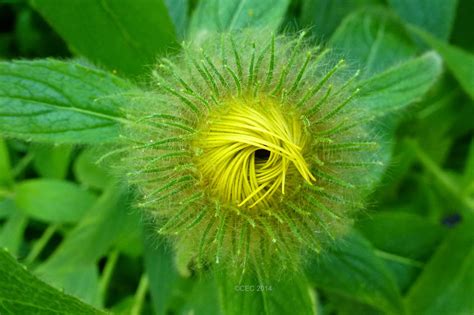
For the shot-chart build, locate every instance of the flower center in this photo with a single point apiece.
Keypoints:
(249, 150)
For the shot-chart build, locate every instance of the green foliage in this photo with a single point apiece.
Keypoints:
(459, 62)
(52, 161)
(434, 16)
(76, 104)
(404, 234)
(42, 198)
(120, 35)
(11, 235)
(76, 270)
(325, 15)
(263, 294)
(22, 293)
(447, 282)
(164, 278)
(67, 215)
(351, 268)
(374, 39)
(401, 85)
(225, 16)
(178, 11)
(89, 172)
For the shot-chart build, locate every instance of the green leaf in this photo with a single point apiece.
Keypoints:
(265, 294)
(53, 200)
(435, 16)
(178, 11)
(351, 268)
(56, 101)
(86, 243)
(399, 86)
(22, 293)
(11, 234)
(126, 36)
(52, 161)
(224, 16)
(130, 239)
(81, 281)
(197, 302)
(88, 172)
(403, 241)
(325, 15)
(6, 177)
(447, 282)
(373, 40)
(458, 61)
(7, 207)
(95, 233)
(161, 270)
(404, 234)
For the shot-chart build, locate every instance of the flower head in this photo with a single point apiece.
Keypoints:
(251, 150)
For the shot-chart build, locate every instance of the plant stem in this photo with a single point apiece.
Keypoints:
(399, 259)
(22, 164)
(440, 176)
(107, 274)
(140, 295)
(41, 243)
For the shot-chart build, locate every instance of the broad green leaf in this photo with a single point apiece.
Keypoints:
(53, 200)
(11, 233)
(52, 161)
(87, 242)
(56, 101)
(197, 302)
(224, 16)
(373, 40)
(7, 207)
(6, 177)
(178, 11)
(458, 61)
(446, 285)
(265, 294)
(88, 172)
(351, 268)
(81, 281)
(163, 275)
(404, 234)
(126, 36)
(324, 16)
(399, 86)
(403, 240)
(130, 239)
(22, 293)
(434, 16)
(95, 233)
